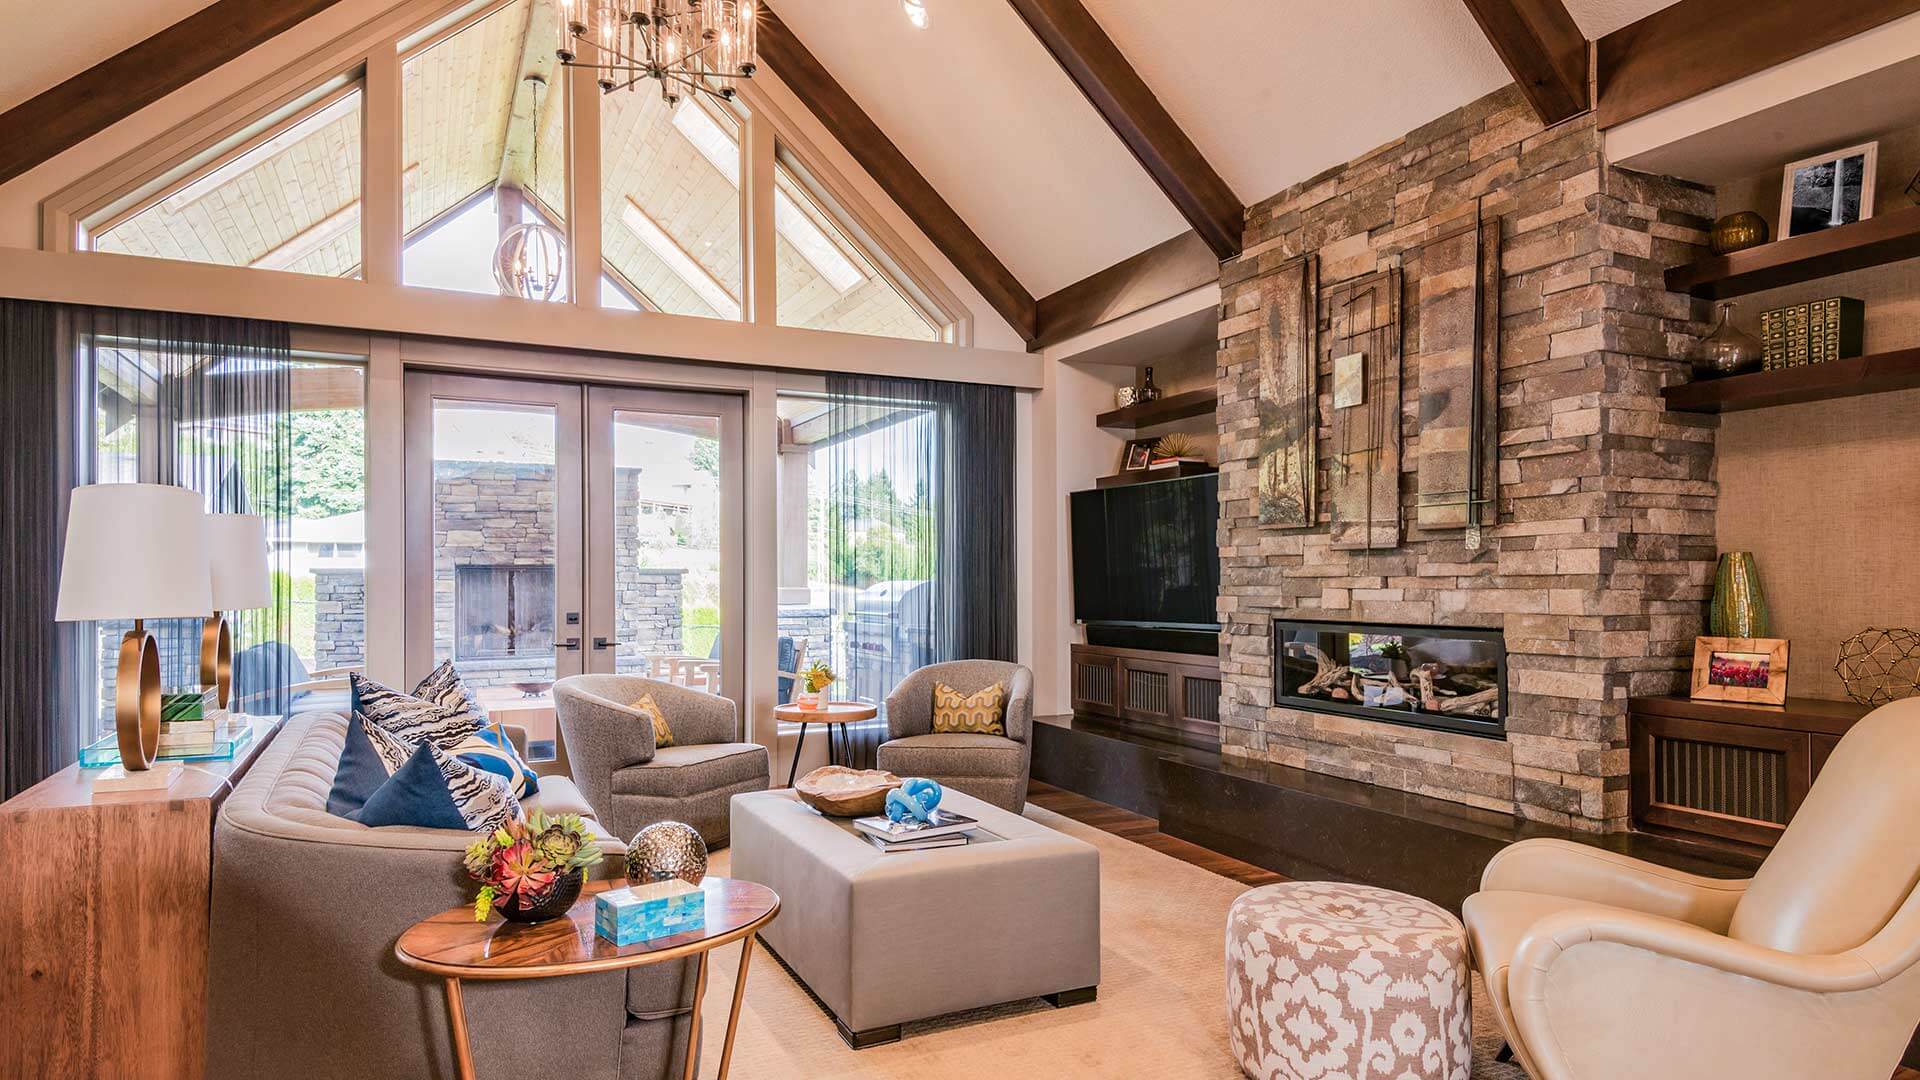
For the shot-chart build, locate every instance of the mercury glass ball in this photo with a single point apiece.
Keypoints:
(666, 850)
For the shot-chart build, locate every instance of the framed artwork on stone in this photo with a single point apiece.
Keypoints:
(1752, 671)
(1828, 190)
(1289, 407)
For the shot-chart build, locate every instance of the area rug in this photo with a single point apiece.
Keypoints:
(1161, 1011)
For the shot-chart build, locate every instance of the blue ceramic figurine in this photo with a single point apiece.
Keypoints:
(915, 798)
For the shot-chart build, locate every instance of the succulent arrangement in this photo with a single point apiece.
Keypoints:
(523, 862)
(817, 677)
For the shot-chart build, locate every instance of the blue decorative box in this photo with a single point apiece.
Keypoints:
(644, 912)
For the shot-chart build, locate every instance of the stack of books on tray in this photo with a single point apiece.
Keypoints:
(944, 828)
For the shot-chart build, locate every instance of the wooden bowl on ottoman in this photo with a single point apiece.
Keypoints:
(838, 791)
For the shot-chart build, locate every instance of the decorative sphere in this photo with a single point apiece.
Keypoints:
(666, 850)
(531, 261)
(1879, 665)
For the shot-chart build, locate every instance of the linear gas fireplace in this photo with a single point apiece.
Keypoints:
(1425, 676)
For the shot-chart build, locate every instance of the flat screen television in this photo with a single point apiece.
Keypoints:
(1144, 554)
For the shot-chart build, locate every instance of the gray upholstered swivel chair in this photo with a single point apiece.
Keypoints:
(631, 782)
(989, 767)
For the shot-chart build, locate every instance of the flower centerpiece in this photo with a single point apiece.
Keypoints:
(532, 870)
(814, 681)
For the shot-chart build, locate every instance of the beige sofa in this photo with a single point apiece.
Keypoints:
(302, 980)
(1601, 966)
(632, 782)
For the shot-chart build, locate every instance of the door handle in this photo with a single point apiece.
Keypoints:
(603, 643)
(569, 643)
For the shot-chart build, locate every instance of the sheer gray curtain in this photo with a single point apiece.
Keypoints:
(920, 519)
(99, 395)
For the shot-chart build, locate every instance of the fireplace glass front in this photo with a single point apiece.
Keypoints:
(1425, 676)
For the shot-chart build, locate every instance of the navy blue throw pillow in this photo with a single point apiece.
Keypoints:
(359, 774)
(436, 790)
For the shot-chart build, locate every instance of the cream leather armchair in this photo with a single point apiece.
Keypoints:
(1600, 966)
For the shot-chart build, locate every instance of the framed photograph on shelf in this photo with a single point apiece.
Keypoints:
(1827, 190)
(1752, 671)
(1138, 455)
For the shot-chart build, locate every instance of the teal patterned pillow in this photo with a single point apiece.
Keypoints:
(491, 750)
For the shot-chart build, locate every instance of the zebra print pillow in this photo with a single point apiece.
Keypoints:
(435, 790)
(444, 719)
(392, 750)
(482, 798)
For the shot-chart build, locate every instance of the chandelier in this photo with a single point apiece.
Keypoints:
(698, 45)
(530, 261)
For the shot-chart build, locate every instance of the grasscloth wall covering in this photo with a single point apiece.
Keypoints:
(1827, 497)
(1599, 567)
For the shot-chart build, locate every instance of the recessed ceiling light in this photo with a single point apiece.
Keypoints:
(916, 12)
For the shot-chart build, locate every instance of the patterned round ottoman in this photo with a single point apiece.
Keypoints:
(1328, 981)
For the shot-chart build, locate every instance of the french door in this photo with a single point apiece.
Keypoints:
(555, 529)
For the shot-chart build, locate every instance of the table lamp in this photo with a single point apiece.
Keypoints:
(135, 551)
(237, 558)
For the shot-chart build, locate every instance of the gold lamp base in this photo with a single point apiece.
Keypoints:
(136, 699)
(216, 656)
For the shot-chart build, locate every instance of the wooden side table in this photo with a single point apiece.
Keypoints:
(455, 947)
(834, 714)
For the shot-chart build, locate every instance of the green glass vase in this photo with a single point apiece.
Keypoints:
(1739, 608)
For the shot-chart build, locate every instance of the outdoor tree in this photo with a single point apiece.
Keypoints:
(329, 461)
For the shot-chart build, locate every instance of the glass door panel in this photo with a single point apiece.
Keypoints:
(493, 509)
(664, 494)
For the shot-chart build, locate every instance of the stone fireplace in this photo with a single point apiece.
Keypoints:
(1446, 679)
(1594, 575)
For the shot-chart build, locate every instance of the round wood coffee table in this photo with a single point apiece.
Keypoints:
(834, 714)
(455, 947)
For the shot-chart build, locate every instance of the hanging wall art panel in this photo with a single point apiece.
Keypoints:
(1361, 336)
(1289, 398)
(1459, 357)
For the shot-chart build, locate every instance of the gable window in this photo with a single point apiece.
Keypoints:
(671, 199)
(287, 199)
(484, 144)
(826, 280)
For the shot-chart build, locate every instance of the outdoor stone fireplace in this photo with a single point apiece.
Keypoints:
(1593, 576)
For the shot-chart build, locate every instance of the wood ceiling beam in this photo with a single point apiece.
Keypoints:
(1161, 272)
(1699, 45)
(116, 88)
(783, 53)
(1544, 50)
(1122, 98)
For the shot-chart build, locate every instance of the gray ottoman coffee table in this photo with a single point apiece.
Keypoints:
(882, 939)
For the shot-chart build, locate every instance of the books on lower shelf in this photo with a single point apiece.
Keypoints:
(218, 739)
(944, 828)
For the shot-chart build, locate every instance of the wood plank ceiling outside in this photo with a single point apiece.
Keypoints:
(783, 53)
(1097, 66)
(114, 89)
(1697, 45)
(1544, 50)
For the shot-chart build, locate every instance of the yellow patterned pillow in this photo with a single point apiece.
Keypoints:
(978, 713)
(662, 734)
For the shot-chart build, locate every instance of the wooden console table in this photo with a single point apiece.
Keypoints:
(1728, 771)
(103, 940)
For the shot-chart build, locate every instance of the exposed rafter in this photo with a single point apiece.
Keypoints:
(116, 88)
(1697, 45)
(783, 53)
(1096, 65)
(1544, 50)
(1159, 273)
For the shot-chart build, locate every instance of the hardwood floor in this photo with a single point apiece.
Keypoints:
(1145, 831)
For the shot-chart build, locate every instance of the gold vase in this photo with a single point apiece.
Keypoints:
(1739, 607)
(1738, 232)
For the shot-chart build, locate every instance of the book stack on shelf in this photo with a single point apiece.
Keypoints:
(943, 828)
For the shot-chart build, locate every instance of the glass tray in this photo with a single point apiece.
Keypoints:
(105, 751)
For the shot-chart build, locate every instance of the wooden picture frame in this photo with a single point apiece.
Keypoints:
(1138, 455)
(1869, 152)
(1752, 671)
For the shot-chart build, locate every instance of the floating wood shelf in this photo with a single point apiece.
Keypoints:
(1177, 471)
(1889, 237)
(1851, 377)
(1166, 410)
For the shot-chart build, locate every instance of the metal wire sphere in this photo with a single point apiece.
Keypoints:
(1880, 665)
(666, 850)
(531, 261)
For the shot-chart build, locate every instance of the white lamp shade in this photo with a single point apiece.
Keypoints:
(237, 554)
(134, 551)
